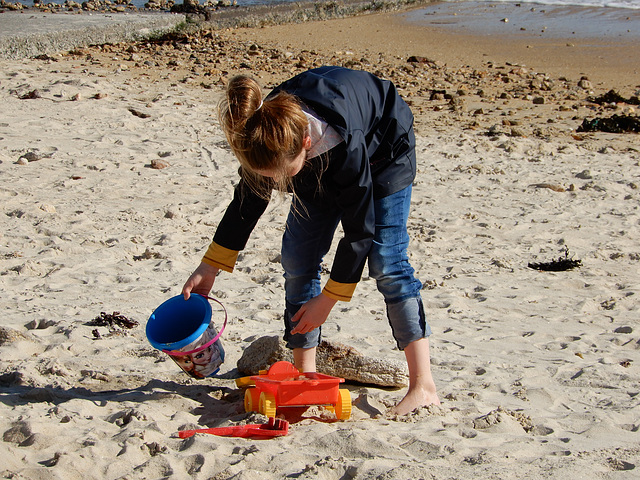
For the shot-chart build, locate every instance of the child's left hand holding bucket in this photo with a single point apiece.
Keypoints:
(200, 281)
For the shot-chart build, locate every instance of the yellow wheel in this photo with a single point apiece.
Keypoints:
(251, 400)
(267, 404)
(343, 407)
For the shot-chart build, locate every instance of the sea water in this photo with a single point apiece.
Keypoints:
(549, 18)
(630, 4)
(544, 18)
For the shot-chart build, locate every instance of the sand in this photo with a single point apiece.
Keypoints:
(537, 371)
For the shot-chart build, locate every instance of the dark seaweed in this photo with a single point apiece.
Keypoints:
(560, 265)
(113, 320)
(613, 124)
(614, 97)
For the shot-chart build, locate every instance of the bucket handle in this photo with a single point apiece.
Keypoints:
(178, 353)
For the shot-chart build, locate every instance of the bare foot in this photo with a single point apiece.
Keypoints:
(415, 398)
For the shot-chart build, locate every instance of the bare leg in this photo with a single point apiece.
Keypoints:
(422, 388)
(304, 359)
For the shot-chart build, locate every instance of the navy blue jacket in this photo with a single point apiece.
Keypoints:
(376, 159)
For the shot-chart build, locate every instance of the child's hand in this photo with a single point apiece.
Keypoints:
(312, 314)
(200, 281)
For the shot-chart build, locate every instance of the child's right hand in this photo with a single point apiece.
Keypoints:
(200, 281)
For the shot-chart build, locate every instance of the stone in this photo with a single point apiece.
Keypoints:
(419, 59)
(625, 329)
(10, 335)
(18, 433)
(585, 83)
(159, 163)
(45, 207)
(32, 156)
(332, 358)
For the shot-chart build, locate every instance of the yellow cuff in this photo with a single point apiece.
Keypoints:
(339, 291)
(220, 257)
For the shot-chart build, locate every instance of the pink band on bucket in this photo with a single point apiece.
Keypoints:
(178, 353)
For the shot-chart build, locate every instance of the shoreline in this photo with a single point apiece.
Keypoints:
(612, 61)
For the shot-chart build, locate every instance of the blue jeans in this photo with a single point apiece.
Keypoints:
(308, 235)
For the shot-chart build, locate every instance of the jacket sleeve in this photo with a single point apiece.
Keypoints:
(355, 199)
(236, 226)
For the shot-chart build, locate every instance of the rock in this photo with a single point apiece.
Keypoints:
(585, 83)
(138, 113)
(9, 335)
(45, 207)
(33, 94)
(419, 59)
(36, 155)
(159, 163)
(18, 433)
(495, 130)
(625, 329)
(40, 324)
(32, 156)
(332, 358)
(518, 132)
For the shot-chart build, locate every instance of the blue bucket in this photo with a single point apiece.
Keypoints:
(184, 330)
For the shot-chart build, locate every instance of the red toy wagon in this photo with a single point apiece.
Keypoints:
(283, 385)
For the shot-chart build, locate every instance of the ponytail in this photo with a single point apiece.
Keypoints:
(264, 135)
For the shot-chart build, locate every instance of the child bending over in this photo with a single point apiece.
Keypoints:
(341, 142)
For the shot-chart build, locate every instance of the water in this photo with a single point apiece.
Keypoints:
(632, 4)
(629, 4)
(561, 18)
(553, 19)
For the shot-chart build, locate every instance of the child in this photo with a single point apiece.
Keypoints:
(342, 142)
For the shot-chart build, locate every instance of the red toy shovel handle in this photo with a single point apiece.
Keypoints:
(241, 431)
(275, 428)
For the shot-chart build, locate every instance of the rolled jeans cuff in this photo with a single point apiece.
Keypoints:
(408, 322)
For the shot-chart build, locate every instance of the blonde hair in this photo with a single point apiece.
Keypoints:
(263, 135)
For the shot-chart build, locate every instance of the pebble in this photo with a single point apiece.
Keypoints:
(48, 208)
(584, 175)
(625, 329)
(159, 163)
(32, 156)
(585, 83)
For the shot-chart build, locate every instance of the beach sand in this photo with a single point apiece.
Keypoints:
(537, 371)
